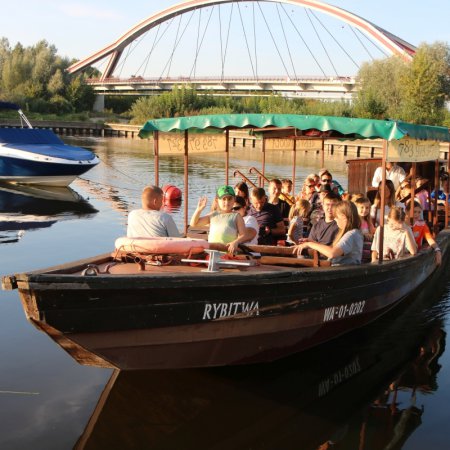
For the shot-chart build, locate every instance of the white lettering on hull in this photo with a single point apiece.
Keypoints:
(343, 311)
(214, 311)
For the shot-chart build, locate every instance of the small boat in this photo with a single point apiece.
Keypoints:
(134, 310)
(34, 156)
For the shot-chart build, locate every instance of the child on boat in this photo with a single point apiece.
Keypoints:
(420, 230)
(398, 237)
(298, 219)
(225, 226)
(367, 229)
(348, 244)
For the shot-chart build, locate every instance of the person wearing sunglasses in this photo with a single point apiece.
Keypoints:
(308, 191)
(251, 224)
(327, 179)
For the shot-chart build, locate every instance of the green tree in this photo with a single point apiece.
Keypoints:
(381, 91)
(427, 84)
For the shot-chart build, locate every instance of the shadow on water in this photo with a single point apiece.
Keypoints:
(345, 394)
(27, 208)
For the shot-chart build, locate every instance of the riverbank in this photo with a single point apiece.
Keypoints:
(368, 148)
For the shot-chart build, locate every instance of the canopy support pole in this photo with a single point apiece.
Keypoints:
(263, 149)
(435, 200)
(322, 155)
(186, 180)
(413, 192)
(447, 183)
(294, 162)
(227, 154)
(383, 202)
(156, 154)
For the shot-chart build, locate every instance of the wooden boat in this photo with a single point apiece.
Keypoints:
(282, 403)
(135, 311)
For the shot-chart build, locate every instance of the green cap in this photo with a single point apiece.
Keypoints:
(225, 190)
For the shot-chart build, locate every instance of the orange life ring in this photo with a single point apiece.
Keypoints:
(161, 245)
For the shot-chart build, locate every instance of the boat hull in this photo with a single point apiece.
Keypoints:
(155, 320)
(53, 172)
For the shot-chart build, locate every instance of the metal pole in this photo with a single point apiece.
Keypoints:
(413, 192)
(294, 161)
(227, 154)
(186, 180)
(322, 158)
(156, 153)
(382, 204)
(447, 183)
(261, 181)
(435, 200)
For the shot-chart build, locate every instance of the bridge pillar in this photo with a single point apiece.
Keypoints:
(99, 104)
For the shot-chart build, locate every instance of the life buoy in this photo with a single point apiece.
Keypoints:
(161, 245)
(171, 193)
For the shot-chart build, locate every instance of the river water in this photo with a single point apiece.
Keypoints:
(385, 386)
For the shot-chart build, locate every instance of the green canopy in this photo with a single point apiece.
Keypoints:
(335, 126)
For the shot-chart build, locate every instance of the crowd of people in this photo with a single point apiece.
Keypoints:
(340, 226)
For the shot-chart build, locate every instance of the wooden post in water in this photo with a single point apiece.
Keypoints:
(227, 154)
(156, 154)
(383, 202)
(186, 180)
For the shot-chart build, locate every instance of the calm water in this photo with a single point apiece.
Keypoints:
(386, 386)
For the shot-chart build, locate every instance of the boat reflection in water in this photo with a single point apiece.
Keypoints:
(24, 208)
(361, 391)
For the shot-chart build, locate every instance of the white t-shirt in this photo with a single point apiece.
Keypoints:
(396, 174)
(251, 222)
(150, 223)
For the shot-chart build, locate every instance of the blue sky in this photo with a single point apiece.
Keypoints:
(79, 28)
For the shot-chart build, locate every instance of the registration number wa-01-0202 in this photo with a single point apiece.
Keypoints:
(343, 311)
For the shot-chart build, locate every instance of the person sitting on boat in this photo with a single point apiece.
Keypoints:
(225, 226)
(274, 198)
(420, 230)
(286, 191)
(398, 237)
(367, 228)
(389, 202)
(240, 206)
(347, 245)
(394, 173)
(325, 230)
(241, 190)
(327, 179)
(268, 216)
(298, 220)
(308, 191)
(150, 221)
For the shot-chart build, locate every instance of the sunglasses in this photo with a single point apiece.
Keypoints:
(326, 180)
(311, 185)
(236, 208)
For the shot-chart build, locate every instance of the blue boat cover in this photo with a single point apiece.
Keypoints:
(28, 136)
(44, 142)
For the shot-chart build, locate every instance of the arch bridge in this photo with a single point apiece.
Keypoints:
(291, 83)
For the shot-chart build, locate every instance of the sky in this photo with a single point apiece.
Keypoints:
(79, 28)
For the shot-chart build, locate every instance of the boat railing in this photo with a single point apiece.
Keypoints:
(239, 174)
(261, 177)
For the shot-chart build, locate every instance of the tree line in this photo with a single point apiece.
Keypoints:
(417, 91)
(35, 77)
